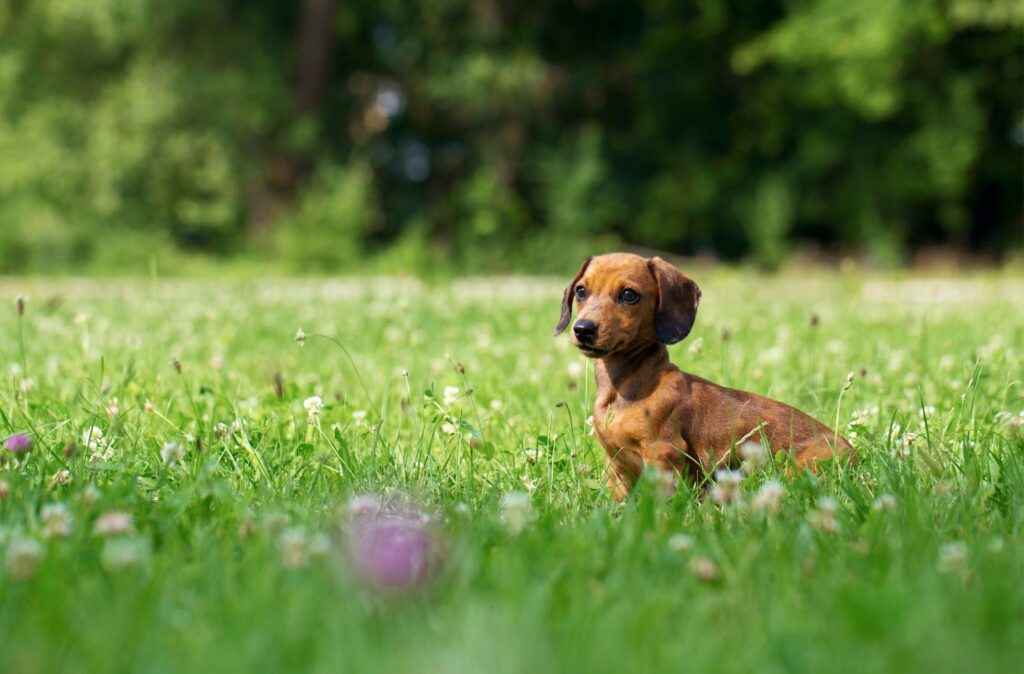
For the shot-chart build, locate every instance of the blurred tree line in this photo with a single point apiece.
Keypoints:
(493, 134)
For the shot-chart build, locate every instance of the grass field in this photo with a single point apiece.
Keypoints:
(206, 525)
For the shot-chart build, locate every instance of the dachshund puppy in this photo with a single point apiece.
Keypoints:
(647, 411)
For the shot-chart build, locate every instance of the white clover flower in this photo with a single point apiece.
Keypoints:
(534, 455)
(123, 553)
(574, 369)
(313, 405)
(680, 542)
(28, 385)
(496, 405)
(61, 477)
(92, 437)
(824, 517)
(300, 336)
(883, 503)
(91, 495)
(113, 523)
(451, 395)
(171, 453)
(704, 569)
(148, 407)
(359, 416)
(516, 511)
(449, 428)
(753, 454)
(696, 346)
(727, 486)
(768, 498)
(22, 558)
(56, 520)
(294, 548)
(113, 407)
(952, 556)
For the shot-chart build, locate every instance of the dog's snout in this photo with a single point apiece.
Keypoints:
(585, 331)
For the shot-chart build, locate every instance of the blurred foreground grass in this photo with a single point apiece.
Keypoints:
(233, 557)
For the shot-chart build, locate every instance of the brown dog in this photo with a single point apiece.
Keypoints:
(647, 411)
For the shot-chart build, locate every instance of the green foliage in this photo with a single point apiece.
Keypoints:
(502, 137)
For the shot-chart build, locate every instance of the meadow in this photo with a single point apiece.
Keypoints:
(186, 462)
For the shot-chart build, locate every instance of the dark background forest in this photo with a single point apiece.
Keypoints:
(328, 135)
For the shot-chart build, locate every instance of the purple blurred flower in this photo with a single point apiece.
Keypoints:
(19, 443)
(396, 551)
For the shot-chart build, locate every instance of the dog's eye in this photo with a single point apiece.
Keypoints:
(581, 293)
(629, 296)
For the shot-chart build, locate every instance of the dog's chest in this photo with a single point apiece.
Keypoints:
(619, 426)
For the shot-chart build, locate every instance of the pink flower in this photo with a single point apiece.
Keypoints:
(395, 552)
(19, 443)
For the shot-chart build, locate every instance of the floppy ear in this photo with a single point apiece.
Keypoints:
(678, 297)
(567, 299)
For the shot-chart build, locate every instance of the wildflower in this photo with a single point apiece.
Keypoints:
(217, 362)
(952, 556)
(113, 407)
(27, 385)
(696, 346)
(300, 337)
(394, 553)
(768, 498)
(883, 503)
(56, 520)
(849, 381)
(680, 542)
(148, 407)
(727, 486)
(664, 483)
(704, 569)
(359, 416)
(121, 554)
(91, 495)
(319, 545)
(824, 518)
(18, 444)
(5, 489)
(294, 548)
(574, 369)
(927, 411)
(534, 455)
(516, 512)
(461, 509)
(23, 556)
(451, 395)
(93, 438)
(496, 405)
(171, 453)
(113, 523)
(61, 477)
(19, 305)
(449, 428)
(753, 454)
(313, 405)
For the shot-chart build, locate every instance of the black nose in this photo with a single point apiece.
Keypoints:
(585, 331)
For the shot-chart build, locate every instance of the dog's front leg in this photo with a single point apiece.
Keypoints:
(670, 458)
(624, 469)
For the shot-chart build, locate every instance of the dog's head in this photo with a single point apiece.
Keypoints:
(624, 300)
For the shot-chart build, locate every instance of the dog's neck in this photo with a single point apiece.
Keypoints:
(633, 372)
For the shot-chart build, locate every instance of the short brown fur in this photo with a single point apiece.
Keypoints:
(647, 411)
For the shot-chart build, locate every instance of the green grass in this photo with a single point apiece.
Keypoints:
(589, 585)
